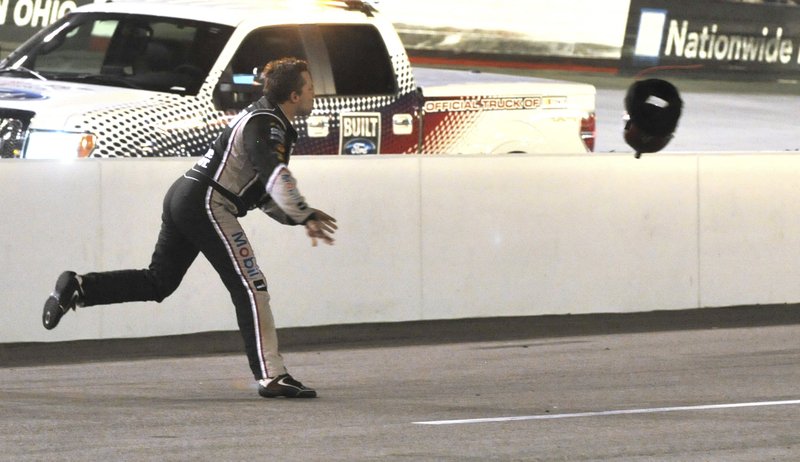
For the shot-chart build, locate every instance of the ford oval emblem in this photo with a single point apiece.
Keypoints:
(359, 146)
(12, 94)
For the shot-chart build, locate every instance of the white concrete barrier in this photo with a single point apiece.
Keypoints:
(422, 238)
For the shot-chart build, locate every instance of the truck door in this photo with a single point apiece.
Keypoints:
(367, 107)
(361, 107)
(239, 84)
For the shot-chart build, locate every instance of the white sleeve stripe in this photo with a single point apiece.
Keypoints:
(288, 198)
(274, 176)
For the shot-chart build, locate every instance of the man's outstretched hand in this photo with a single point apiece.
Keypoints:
(321, 227)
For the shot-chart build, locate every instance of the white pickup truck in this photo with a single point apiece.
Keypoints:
(163, 78)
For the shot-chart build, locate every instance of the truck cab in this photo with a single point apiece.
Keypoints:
(151, 78)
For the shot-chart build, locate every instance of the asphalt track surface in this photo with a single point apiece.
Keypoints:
(710, 394)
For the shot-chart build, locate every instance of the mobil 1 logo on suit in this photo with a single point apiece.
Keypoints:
(360, 133)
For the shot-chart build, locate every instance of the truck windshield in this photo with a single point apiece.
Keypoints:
(134, 51)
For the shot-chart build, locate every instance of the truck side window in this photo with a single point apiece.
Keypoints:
(80, 50)
(239, 84)
(128, 50)
(360, 62)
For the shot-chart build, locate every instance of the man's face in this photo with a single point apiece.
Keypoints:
(305, 101)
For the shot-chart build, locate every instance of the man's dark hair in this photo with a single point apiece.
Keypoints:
(282, 77)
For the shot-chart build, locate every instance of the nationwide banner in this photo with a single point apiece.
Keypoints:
(720, 37)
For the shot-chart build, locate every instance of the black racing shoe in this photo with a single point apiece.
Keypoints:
(284, 385)
(65, 297)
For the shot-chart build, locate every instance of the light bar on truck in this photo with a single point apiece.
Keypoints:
(366, 7)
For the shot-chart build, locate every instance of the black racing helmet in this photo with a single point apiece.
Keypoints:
(653, 107)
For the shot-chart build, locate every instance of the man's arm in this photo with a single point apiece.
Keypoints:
(283, 190)
(264, 137)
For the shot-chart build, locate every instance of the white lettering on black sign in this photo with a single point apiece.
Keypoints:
(360, 126)
(34, 13)
(709, 43)
(360, 133)
(37, 13)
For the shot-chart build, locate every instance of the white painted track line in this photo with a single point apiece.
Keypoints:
(703, 407)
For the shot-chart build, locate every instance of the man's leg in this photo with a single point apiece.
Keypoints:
(220, 237)
(227, 248)
(172, 256)
(232, 256)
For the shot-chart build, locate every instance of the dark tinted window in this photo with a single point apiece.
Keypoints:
(240, 83)
(360, 62)
(263, 46)
(126, 50)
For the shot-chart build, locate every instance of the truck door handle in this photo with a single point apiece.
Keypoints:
(402, 124)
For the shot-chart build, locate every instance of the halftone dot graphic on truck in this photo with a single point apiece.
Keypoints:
(161, 126)
(172, 125)
(442, 130)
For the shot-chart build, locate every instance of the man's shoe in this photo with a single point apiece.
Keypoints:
(284, 385)
(65, 297)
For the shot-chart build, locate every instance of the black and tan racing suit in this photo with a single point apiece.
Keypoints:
(245, 168)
